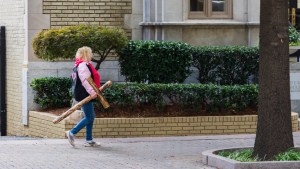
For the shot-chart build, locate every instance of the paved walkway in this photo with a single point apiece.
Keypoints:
(118, 153)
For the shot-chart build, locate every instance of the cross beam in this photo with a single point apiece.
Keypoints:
(77, 106)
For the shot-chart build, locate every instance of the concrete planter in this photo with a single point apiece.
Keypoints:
(292, 50)
(210, 158)
(40, 125)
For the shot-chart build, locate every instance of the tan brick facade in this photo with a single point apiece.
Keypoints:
(97, 12)
(12, 17)
(40, 125)
(102, 12)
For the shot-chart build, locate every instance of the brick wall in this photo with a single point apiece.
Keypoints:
(12, 16)
(99, 12)
(41, 126)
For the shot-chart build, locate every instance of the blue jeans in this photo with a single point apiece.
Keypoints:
(87, 121)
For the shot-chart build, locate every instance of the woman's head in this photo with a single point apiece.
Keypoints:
(84, 53)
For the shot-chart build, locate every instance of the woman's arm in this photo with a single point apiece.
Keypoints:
(84, 73)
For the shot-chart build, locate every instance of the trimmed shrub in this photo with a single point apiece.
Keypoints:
(294, 36)
(213, 98)
(226, 65)
(56, 44)
(169, 62)
(52, 92)
(155, 61)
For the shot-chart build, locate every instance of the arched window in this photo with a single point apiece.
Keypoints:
(201, 9)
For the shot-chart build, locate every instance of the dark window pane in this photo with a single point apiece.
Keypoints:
(218, 5)
(197, 5)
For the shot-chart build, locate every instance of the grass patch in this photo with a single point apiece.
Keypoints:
(291, 155)
(294, 44)
(245, 155)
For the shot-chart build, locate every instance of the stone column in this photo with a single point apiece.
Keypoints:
(135, 19)
(146, 18)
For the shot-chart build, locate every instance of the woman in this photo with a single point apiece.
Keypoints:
(84, 69)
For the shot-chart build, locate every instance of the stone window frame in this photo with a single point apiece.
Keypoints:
(208, 14)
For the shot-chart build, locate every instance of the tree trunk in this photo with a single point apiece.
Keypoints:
(274, 127)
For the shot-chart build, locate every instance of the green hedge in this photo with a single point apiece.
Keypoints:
(294, 36)
(226, 65)
(155, 61)
(169, 62)
(54, 92)
(214, 98)
(55, 44)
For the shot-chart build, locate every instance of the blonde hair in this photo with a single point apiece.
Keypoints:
(84, 53)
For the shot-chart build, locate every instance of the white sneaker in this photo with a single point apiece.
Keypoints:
(71, 138)
(91, 144)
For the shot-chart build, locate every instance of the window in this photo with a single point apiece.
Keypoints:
(201, 9)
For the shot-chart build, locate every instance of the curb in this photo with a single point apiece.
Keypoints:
(210, 158)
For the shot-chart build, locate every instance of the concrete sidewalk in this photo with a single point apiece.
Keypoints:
(116, 153)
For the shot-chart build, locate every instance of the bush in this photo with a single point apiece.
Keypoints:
(169, 62)
(55, 44)
(294, 36)
(52, 92)
(155, 61)
(226, 65)
(212, 98)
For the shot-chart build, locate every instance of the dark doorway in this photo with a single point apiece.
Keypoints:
(3, 118)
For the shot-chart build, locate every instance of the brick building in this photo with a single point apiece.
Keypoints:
(206, 22)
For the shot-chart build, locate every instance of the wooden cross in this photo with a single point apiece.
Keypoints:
(101, 99)
(77, 106)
